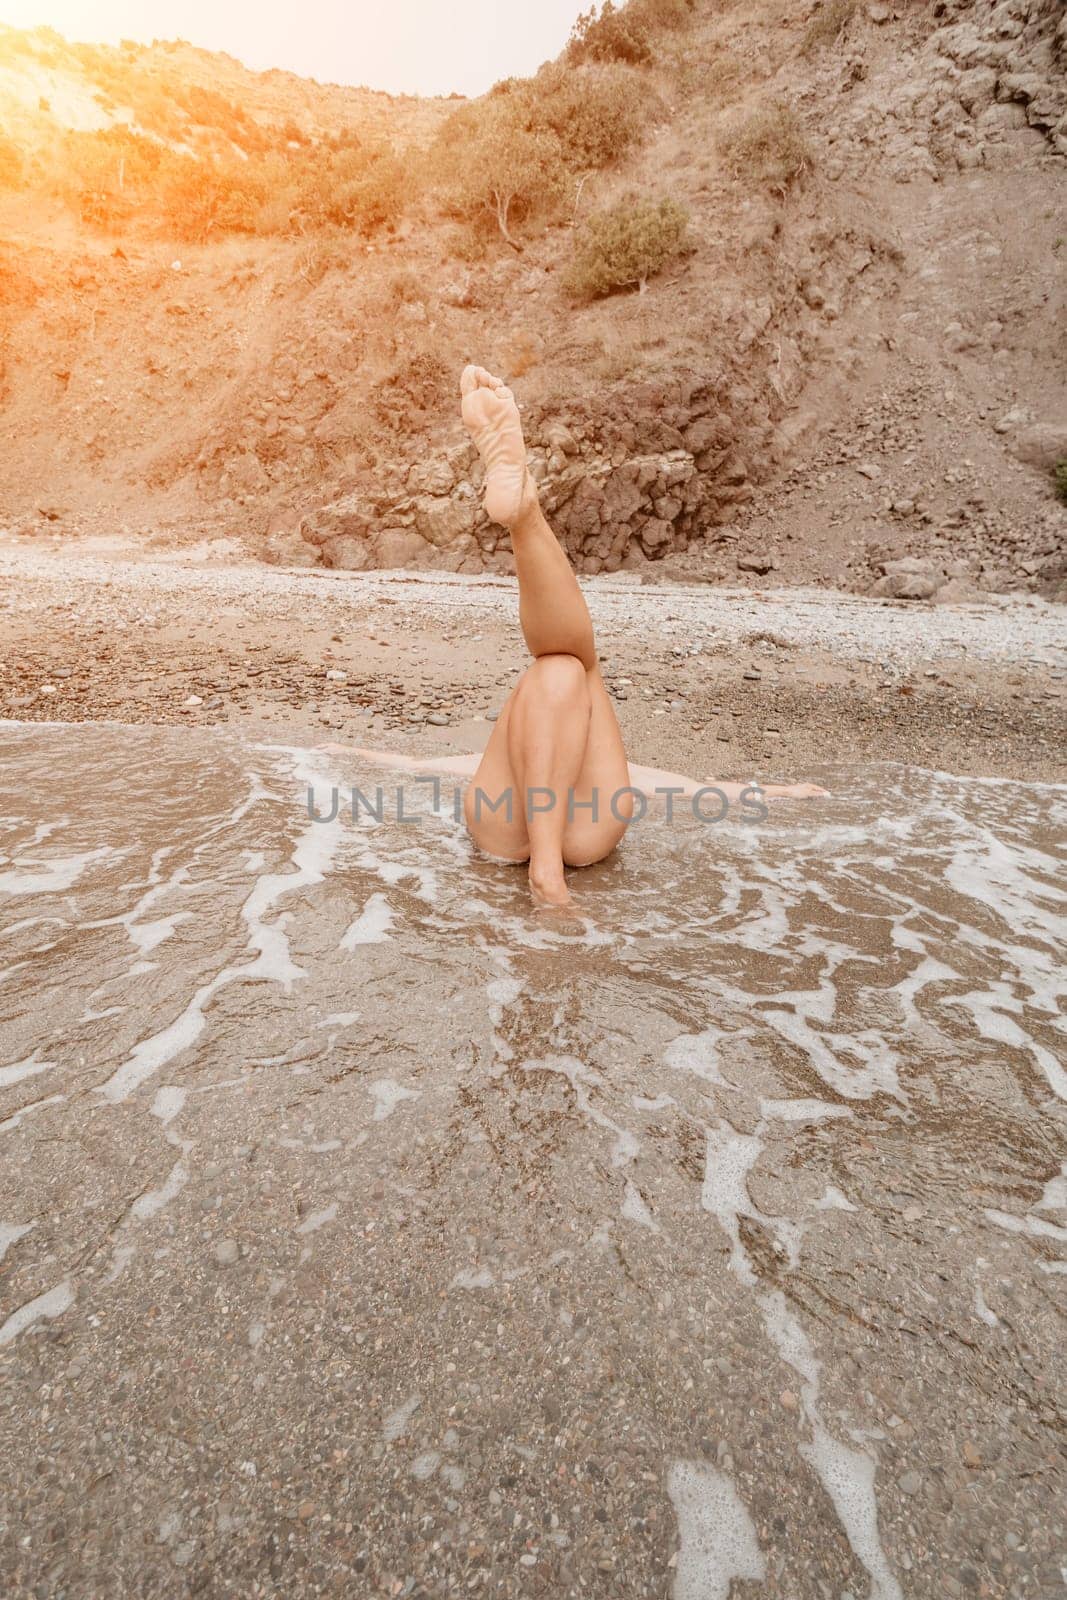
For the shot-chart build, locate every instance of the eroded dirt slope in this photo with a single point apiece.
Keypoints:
(863, 370)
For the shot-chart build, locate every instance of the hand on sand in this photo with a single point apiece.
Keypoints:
(491, 415)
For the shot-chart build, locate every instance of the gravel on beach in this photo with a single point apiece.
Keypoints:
(716, 682)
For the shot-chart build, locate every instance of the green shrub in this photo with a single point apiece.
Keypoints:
(767, 147)
(201, 200)
(627, 33)
(489, 159)
(598, 113)
(1059, 478)
(363, 188)
(622, 247)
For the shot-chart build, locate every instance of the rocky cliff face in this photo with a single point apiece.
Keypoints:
(858, 371)
(650, 469)
(918, 102)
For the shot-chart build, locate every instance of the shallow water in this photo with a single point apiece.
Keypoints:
(716, 1232)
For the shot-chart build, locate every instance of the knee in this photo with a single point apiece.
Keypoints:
(560, 679)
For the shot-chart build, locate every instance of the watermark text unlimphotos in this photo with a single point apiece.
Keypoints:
(708, 804)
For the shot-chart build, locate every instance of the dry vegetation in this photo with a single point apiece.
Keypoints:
(622, 247)
(184, 161)
(828, 23)
(768, 147)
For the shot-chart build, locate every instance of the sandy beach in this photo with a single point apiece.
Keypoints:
(713, 682)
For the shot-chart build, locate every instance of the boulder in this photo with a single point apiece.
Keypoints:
(956, 591)
(976, 89)
(399, 547)
(707, 433)
(560, 439)
(655, 537)
(910, 578)
(441, 519)
(347, 553)
(288, 549)
(1052, 578)
(1041, 445)
(622, 494)
(755, 561)
(435, 477)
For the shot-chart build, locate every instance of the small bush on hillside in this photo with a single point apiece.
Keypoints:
(627, 33)
(718, 82)
(1059, 477)
(321, 254)
(489, 159)
(829, 22)
(201, 200)
(471, 240)
(406, 286)
(768, 147)
(598, 114)
(622, 247)
(364, 189)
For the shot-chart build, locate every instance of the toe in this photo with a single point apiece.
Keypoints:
(468, 380)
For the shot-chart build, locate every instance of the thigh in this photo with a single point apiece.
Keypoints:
(497, 827)
(591, 834)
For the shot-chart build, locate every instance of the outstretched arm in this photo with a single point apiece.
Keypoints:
(649, 779)
(457, 766)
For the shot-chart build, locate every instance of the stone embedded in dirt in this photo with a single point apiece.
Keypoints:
(655, 536)
(1017, 417)
(958, 338)
(957, 591)
(1041, 445)
(559, 438)
(755, 561)
(227, 1252)
(398, 547)
(910, 578)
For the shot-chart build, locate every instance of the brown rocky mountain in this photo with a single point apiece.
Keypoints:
(853, 373)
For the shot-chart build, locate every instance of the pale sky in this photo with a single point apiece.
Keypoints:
(406, 46)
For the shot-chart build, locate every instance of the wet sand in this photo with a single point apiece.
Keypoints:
(717, 683)
(367, 1234)
(363, 1232)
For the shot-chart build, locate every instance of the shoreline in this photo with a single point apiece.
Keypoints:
(718, 684)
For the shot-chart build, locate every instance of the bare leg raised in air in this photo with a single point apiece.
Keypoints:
(556, 748)
(553, 786)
